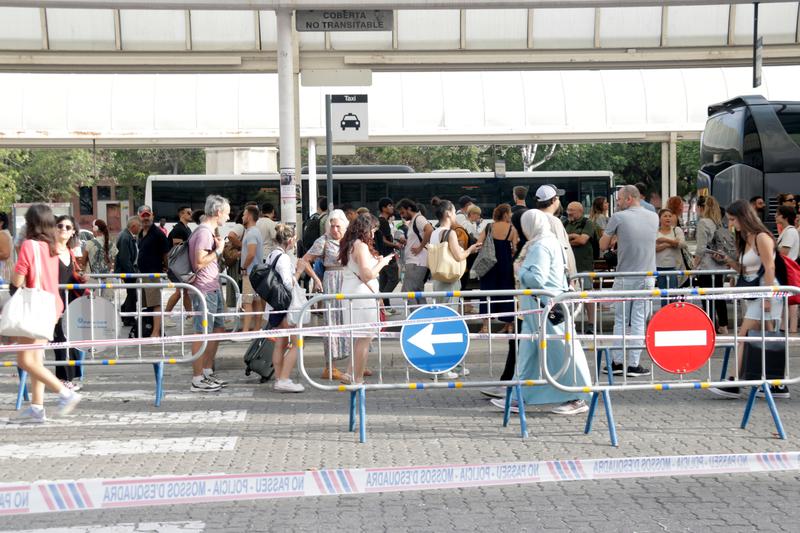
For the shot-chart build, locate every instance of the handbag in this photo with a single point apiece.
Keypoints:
(611, 259)
(295, 314)
(30, 313)
(443, 266)
(486, 258)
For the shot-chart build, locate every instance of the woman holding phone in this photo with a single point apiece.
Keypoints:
(362, 267)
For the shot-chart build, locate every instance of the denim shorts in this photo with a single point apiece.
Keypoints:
(214, 304)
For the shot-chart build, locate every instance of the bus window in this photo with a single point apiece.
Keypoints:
(722, 138)
(790, 120)
(349, 193)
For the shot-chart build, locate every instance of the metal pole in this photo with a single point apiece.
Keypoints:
(756, 82)
(286, 103)
(329, 151)
(312, 176)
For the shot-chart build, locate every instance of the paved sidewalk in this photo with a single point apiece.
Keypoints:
(248, 428)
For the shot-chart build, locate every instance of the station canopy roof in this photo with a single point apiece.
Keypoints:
(241, 35)
(411, 107)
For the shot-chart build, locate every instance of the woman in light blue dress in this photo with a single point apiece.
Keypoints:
(542, 268)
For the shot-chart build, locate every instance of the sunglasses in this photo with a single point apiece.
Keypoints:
(66, 227)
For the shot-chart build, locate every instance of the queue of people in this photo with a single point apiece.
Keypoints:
(352, 251)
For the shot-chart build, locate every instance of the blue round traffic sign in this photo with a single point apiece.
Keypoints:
(435, 347)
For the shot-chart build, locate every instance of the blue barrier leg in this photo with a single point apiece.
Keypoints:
(507, 410)
(774, 410)
(523, 424)
(22, 391)
(362, 415)
(749, 408)
(612, 428)
(725, 358)
(352, 425)
(158, 368)
(590, 416)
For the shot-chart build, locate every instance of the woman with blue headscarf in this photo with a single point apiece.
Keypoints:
(542, 267)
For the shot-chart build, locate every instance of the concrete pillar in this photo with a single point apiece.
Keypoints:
(673, 164)
(664, 173)
(286, 117)
(312, 176)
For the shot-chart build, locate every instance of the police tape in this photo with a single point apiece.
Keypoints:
(93, 494)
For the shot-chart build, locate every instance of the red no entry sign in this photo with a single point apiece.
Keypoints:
(680, 338)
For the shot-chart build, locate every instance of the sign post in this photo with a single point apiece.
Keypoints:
(680, 338)
(346, 120)
(435, 347)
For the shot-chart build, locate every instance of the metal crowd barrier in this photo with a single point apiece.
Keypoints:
(91, 346)
(699, 379)
(450, 299)
(159, 278)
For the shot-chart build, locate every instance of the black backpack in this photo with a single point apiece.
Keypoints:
(268, 284)
(311, 231)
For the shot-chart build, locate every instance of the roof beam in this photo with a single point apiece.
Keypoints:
(395, 60)
(355, 4)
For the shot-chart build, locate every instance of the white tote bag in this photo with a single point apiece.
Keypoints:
(31, 312)
(294, 315)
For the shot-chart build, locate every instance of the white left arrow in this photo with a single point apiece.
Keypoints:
(424, 339)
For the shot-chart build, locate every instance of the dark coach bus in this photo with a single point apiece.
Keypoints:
(751, 147)
(364, 185)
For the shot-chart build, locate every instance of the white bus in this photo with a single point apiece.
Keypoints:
(365, 185)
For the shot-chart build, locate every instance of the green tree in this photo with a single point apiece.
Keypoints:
(9, 170)
(51, 175)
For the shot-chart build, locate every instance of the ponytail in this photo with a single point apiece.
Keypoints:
(102, 227)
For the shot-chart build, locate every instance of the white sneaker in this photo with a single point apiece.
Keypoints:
(501, 404)
(494, 392)
(448, 375)
(287, 385)
(464, 371)
(67, 405)
(205, 385)
(573, 407)
(28, 416)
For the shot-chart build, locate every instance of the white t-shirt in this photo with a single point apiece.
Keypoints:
(412, 240)
(267, 228)
(790, 239)
(284, 267)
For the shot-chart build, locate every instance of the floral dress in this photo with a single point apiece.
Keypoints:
(328, 250)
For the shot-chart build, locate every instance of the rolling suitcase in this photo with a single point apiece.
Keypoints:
(774, 352)
(258, 358)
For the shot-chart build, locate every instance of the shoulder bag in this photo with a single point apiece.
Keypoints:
(30, 313)
(486, 258)
(443, 266)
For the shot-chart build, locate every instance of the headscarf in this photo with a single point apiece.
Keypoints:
(336, 214)
(536, 225)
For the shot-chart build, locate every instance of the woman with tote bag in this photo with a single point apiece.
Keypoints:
(30, 316)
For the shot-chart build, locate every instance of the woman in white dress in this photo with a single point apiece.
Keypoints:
(362, 267)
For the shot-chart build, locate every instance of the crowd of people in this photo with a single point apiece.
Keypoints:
(353, 251)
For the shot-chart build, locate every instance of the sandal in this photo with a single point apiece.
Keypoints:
(367, 372)
(335, 375)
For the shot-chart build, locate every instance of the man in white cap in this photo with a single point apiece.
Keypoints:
(547, 200)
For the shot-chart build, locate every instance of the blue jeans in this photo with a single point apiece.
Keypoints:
(635, 316)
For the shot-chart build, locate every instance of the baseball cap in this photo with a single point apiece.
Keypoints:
(546, 192)
(464, 200)
(145, 209)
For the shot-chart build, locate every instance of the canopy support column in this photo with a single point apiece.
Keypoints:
(312, 176)
(286, 117)
(673, 164)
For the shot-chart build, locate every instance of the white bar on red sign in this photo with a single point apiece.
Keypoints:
(696, 337)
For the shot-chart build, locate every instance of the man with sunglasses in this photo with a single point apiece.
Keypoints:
(153, 250)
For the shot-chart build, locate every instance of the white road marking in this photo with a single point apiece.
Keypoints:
(695, 337)
(79, 419)
(65, 449)
(90, 395)
(161, 527)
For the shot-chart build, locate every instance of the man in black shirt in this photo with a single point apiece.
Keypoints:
(384, 243)
(180, 233)
(153, 249)
(519, 207)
